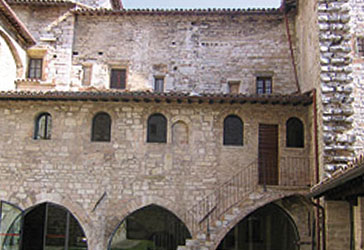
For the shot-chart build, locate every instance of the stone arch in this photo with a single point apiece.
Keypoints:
(49, 224)
(259, 202)
(151, 223)
(180, 133)
(138, 203)
(14, 52)
(59, 199)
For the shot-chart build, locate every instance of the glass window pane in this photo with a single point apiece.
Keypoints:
(77, 239)
(157, 128)
(56, 228)
(11, 218)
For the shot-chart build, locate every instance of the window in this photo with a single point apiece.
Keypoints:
(157, 128)
(35, 68)
(158, 84)
(294, 133)
(233, 131)
(101, 127)
(87, 71)
(360, 46)
(264, 85)
(234, 87)
(43, 126)
(118, 79)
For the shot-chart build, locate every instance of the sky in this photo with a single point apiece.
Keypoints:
(192, 4)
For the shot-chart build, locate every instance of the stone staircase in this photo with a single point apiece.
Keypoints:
(216, 214)
(221, 226)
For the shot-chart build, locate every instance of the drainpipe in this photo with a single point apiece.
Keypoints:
(291, 47)
(317, 178)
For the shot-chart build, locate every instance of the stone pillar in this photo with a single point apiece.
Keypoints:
(337, 225)
(359, 224)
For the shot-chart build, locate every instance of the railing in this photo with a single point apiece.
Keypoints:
(214, 205)
(292, 171)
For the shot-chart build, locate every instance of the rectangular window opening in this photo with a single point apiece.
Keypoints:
(87, 71)
(35, 68)
(264, 85)
(118, 79)
(158, 84)
(234, 87)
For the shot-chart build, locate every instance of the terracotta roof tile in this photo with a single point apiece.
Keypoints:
(117, 95)
(42, 2)
(353, 168)
(178, 11)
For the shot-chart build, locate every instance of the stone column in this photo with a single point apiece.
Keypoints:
(337, 225)
(359, 224)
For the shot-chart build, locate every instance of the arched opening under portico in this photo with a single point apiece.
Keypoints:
(151, 227)
(269, 227)
(46, 226)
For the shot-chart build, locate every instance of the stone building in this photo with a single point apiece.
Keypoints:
(166, 129)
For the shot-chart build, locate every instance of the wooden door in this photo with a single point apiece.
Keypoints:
(268, 154)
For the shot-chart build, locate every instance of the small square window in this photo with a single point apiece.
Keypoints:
(158, 84)
(264, 85)
(360, 46)
(35, 68)
(118, 79)
(234, 87)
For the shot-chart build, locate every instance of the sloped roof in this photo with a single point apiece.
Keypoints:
(26, 38)
(146, 96)
(341, 176)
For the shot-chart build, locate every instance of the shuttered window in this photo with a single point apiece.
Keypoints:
(233, 131)
(101, 127)
(118, 79)
(157, 128)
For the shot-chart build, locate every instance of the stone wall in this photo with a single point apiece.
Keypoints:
(193, 52)
(53, 28)
(336, 89)
(307, 43)
(72, 171)
(357, 25)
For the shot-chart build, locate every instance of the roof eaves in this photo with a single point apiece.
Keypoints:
(340, 177)
(249, 11)
(27, 38)
(115, 95)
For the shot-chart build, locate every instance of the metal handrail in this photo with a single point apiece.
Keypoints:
(239, 186)
(214, 205)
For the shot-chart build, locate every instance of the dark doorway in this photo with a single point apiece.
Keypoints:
(150, 228)
(269, 227)
(268, 154)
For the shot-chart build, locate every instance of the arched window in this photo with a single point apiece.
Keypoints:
(294, 133)
(157, 128)
(233, 131)
(101, 127)
(43, 127)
